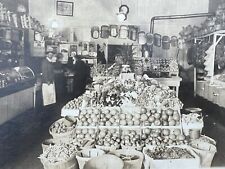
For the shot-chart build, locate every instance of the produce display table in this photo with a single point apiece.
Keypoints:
(130, 115)
(171, 82)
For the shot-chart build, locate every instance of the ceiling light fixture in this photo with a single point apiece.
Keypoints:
(123, 11)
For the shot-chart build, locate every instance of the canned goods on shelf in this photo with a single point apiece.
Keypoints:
(149, 38)
(174, 41)
(95, 32)
(123, 32)
(157, 40)
(105, 31)
(141, 38)
(133, 33)
(113, 30)
(166, 42)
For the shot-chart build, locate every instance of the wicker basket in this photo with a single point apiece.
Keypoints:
(64, 135)
(205, 147)
(71, 163)
(49, 142)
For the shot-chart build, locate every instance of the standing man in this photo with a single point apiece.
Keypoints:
(80, 75)
(48, 84)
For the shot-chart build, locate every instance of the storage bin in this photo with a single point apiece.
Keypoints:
(84, 155)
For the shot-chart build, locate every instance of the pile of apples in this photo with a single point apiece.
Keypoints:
(110, 117)
(131, 138)
(158, 117)
(89, 117)
(164, 137)
(151, 117)
(86, 133)
(127, 119)
(108, 137)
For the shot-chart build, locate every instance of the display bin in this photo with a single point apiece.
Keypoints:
(193, 163)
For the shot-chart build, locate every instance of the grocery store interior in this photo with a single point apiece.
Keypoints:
(101, 84)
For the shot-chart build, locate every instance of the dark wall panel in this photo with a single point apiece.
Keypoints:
(13, 4)
(213, 4)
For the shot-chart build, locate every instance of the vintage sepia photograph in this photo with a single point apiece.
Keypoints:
(112, 84)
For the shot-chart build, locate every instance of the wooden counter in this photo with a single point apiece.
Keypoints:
(15, 103)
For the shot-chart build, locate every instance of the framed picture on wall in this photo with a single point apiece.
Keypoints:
(64, 8)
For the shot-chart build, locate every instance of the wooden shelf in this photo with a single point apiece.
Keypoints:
(10, 26)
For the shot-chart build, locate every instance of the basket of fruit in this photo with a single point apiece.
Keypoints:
(170, 157)
(50, 142)
(63, 128)
(59, 156)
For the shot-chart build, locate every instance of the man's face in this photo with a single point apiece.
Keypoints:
(50, 55)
